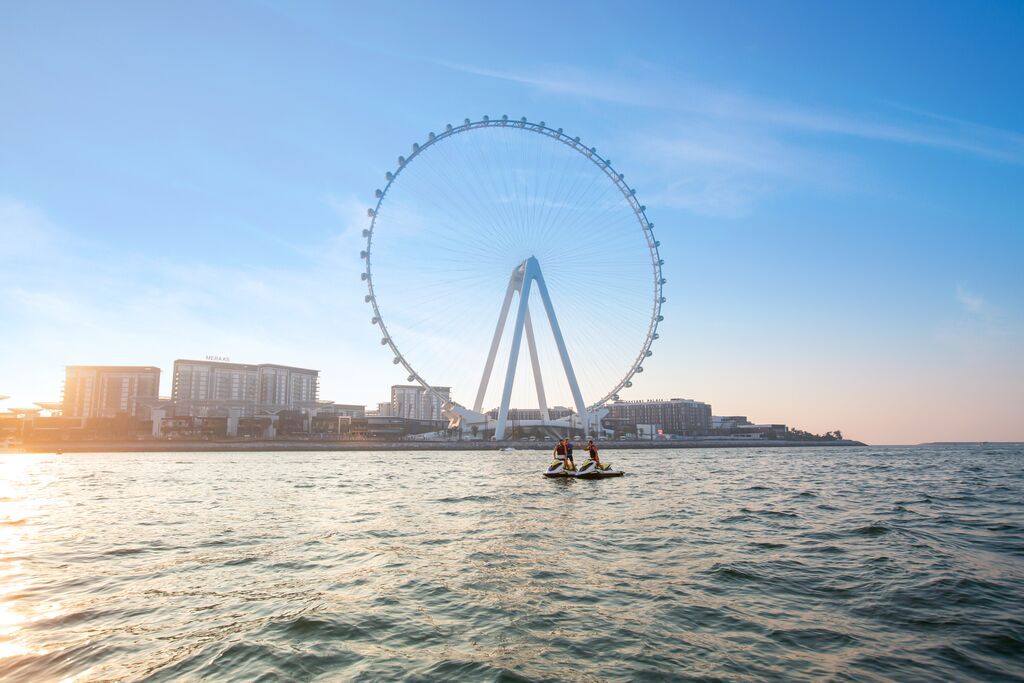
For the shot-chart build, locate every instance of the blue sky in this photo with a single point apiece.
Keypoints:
(838, 189)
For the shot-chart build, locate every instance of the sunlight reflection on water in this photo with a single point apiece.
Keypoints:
(747, 564)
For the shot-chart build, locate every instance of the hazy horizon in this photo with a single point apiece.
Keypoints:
(837, 190)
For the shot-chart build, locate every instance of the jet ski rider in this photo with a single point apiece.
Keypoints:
(561, 453)
(592, 452)
(568, 453)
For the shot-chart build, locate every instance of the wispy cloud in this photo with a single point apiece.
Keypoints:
(982, 331)
(69, 306)
(670, 92)
(725, 169)
(720, 151)
(24, 230)
(971, 302)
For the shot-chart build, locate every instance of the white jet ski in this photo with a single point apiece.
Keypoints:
(591, 470)
(588, 470)
(557, 469)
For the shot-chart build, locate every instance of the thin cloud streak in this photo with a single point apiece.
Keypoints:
(941, 133)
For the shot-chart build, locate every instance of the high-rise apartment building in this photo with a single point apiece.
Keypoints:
(108, 390)
(206, 388)
(414, 402)
(676, 416)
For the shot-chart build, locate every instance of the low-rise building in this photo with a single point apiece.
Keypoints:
(675, 416)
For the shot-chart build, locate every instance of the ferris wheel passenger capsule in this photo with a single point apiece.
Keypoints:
(401, 161)
(661, 318)
(415, 147)
(367, 299)
(648, 353)
(542, 125)
(396, 360)
(639, 368)
(411, 378)
(374, 320)
(522, 120)
(448, 128)
(662, 300)
(378, 193)
(389, 176)
(504, 117)
(384, 341)
(431, 136)
(486, 118)
(366, 233)
(465, 122)
(363, 254)
(628, 384)
(364, 276)
(369, 213)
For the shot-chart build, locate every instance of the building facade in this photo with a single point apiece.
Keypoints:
(204, 388)
(554, 413)
(108, 390)
(413, 402)
(674, 416)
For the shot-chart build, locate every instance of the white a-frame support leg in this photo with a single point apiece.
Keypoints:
(523, 277)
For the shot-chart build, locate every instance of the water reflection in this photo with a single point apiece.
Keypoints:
(726, 564)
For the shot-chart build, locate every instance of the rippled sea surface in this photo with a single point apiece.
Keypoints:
(746, 564)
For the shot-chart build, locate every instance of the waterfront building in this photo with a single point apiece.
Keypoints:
(331, 409)
(739, 425)
(413, 402)
(207, 388)
(555, 413)
(108, 390)
(728, 423)
(674, 416)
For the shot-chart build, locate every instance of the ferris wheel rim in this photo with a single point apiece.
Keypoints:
(590, 153)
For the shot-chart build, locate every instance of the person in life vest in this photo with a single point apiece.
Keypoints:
(560, 452)
(592, 452)
(568, 453)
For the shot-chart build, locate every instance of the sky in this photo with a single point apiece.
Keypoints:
(838, 188)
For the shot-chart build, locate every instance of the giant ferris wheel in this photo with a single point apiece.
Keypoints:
(497, 231)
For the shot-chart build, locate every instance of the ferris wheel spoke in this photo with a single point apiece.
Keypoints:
(459, 216)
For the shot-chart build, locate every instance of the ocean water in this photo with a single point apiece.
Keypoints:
(746, 564)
